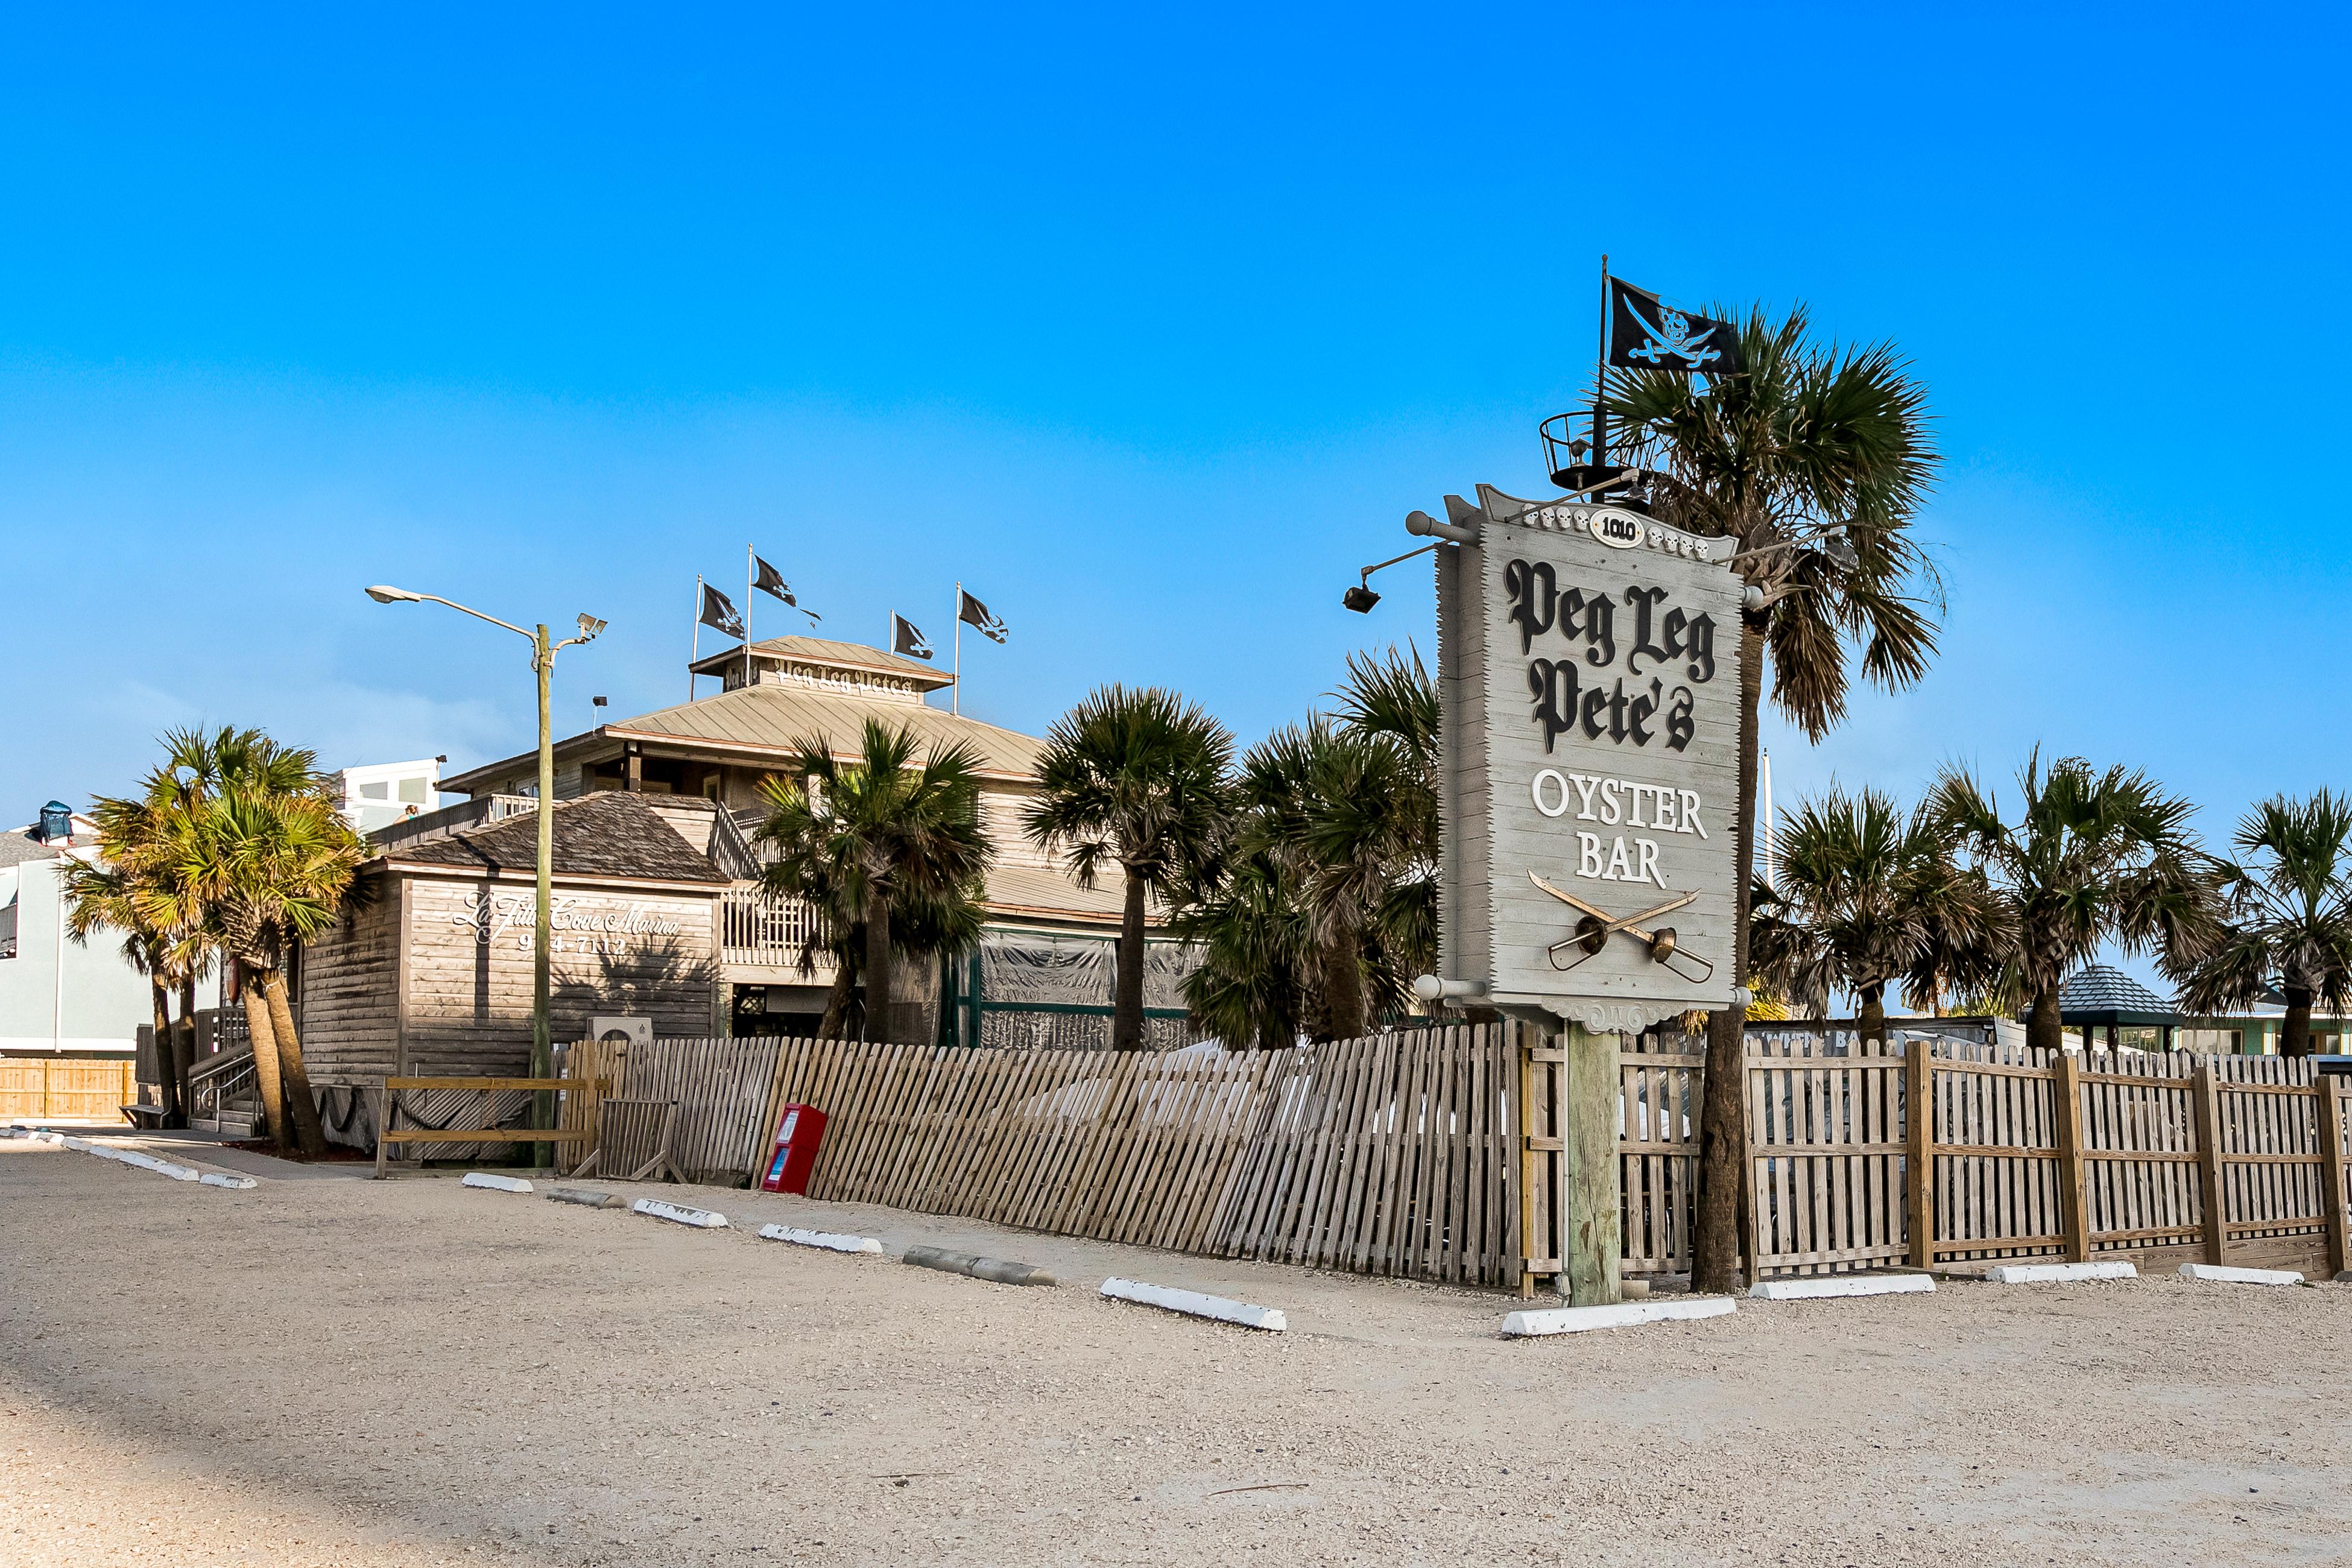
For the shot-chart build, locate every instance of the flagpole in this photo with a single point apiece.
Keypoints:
(955, 692)
(747, 614)
(696, 652)
(1601, 370)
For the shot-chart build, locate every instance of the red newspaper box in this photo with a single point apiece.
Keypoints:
(797, 1136)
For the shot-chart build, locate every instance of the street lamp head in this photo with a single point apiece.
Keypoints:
(589, 626)
(384, 594)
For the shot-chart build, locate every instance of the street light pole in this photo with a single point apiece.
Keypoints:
(543, 1045)
(542, 660)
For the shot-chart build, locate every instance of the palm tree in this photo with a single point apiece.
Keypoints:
(105, 897)
(1328, 902)
(2289, 922)
(1866, 896)
(1134, 778)
(124, 893)
(255, 853)
(2093, 858)
(890, 850)
(1394, 698)
(1816, 461)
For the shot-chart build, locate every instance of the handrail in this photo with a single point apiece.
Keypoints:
(209, 1068)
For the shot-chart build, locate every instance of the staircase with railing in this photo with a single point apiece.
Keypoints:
(221, 1094)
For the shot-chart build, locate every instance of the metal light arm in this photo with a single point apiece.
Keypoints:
(477, 615)
(1383, 565)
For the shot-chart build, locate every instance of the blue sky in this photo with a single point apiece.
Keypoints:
(1149, 327)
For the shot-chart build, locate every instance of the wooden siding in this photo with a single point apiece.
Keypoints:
(470, 1001)
(351, 993)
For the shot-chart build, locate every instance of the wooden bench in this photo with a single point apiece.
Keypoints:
(144, 1116)
(386, 1135)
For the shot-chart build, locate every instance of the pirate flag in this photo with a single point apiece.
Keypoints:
(972, 612)
(772, 581)
(906, 638)
(719, 612)
(1646, 333)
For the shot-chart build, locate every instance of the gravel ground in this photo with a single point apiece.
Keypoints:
(348, 1372)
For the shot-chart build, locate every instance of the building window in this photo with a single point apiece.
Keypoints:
(378, 791)
(412, 791)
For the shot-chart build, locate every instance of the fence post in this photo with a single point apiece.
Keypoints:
(1919, 1134)
(1533, 1169)
(1590, 1232)
(2331, 1145)
(1751, 1216)
(2208, 1159)
(2068, 1089)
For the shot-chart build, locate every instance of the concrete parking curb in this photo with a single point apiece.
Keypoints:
(2059, 1273)
(145, 1161)
(586, 1197)
(828, 1240)
(996, 1270)
(2220, 1274)
(1843, 1285)
(1193, 1304)
(496, 1184)
(701, 1219)
(1535, 1322)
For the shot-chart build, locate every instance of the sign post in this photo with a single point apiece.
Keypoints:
(1588, 702)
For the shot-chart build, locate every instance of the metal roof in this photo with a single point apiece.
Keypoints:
(767, 723)
(2097, 994)
(850, 656)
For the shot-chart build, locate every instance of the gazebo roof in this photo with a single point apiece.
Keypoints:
(2099, 994)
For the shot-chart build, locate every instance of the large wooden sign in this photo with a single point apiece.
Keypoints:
(1588, 660)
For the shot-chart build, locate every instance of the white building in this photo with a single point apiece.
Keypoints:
(381, 793)
(58, 994)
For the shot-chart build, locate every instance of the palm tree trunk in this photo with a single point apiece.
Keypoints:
(1127, 1011)
(2295, 1036)
(1871, 1025)
(308, 1133)
(835, 1021)
(265, 1055)
(2044, 1029)
(184, 1045)
(1343, 985)
(167, 1088)
(1715, 1235)
(877, 965)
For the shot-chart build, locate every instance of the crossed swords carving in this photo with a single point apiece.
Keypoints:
(1593, 931)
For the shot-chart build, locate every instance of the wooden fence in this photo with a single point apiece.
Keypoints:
(79, 1088)
(2161, 1158)
(1386, 1155)
(1430, 1153)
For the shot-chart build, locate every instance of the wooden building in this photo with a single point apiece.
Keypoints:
(1043, 971)
(430, 972)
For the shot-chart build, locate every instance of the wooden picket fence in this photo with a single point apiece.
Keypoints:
(77, 1089)
(1429, 1153)
(2160, 1158)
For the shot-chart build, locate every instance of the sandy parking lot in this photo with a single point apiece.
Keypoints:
(336, 1371)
